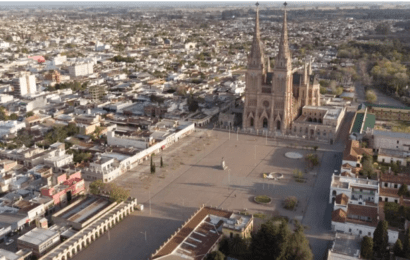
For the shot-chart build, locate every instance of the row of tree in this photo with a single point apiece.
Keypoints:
(272, 241)
(74, 85)
(377, 247)
(115, 192)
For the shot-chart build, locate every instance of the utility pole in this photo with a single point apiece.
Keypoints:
(145, 235)
(229, 127)
(266, 137)
(255, 154)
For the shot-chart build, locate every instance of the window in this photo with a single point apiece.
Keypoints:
(397, 141)
(395, 186)
(350, 230)
(360, 232)
(369, 234)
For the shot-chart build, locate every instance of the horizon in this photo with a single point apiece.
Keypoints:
(185, 4)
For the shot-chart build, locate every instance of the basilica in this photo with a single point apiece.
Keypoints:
(274, 98)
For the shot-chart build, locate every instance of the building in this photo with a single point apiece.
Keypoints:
(81, 69)
(65, 189)
(10, 127)
(80, 240)
(345, 247)
(53, 76)
(389, 113)
(27, 84)
(99, 46)
(319, 123)
(273, 98)
(201, 233)
(39, 240)
(82, 212)
(19, 255)
(96, 92)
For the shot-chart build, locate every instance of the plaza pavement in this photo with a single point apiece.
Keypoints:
(193, 177)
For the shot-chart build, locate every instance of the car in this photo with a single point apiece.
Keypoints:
(9, 241)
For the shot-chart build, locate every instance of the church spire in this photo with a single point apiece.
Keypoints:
(256, 59)
(283, 58)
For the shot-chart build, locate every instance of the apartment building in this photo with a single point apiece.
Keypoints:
(27, 84)
(81, 69)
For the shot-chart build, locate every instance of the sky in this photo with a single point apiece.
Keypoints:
(142, 4)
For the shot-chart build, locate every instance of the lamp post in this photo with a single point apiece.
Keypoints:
(145, 235)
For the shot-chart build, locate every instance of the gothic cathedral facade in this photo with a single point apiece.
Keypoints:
(274, 98)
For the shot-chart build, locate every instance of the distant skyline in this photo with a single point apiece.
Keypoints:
(178, 4)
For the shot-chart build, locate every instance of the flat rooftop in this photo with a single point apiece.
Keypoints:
(37, 236)
(346, 244)
(85, 209)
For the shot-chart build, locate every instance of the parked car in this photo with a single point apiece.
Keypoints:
(9, 242)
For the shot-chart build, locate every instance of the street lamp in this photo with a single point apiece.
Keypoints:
(145, 235)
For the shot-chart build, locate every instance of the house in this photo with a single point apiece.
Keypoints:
(65, 189)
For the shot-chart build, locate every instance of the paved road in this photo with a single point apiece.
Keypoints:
(382, 99)
(318, 214)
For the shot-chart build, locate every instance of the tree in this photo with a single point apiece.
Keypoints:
(215, 255)
(298, 175)
(367, 165)
(398, 248)
(312, 159)
(366, 249)
(371, 96)
(161, 163)
(406, 246)
(381, 239)
(237, 247)
(152, 166)
(3, 115)
(403, 190)
(339, 91)
(382, 28)
(270, 242)
(117, 193)
(96, 187)
(13, 116)
(298, 246)
(30, 113)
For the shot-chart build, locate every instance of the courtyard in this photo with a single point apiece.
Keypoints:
(193, 176)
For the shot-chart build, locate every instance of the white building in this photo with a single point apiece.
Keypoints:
(10, 127)
(27, 84)
(356, 208)
(58, 60)
(4, 98)
(345, 247)
(99, 46)
(81, 69)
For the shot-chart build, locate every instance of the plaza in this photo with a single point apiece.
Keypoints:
(193, 176)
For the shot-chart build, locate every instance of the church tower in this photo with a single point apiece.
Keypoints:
(254, 77)
(268, 94)
(282, 81)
